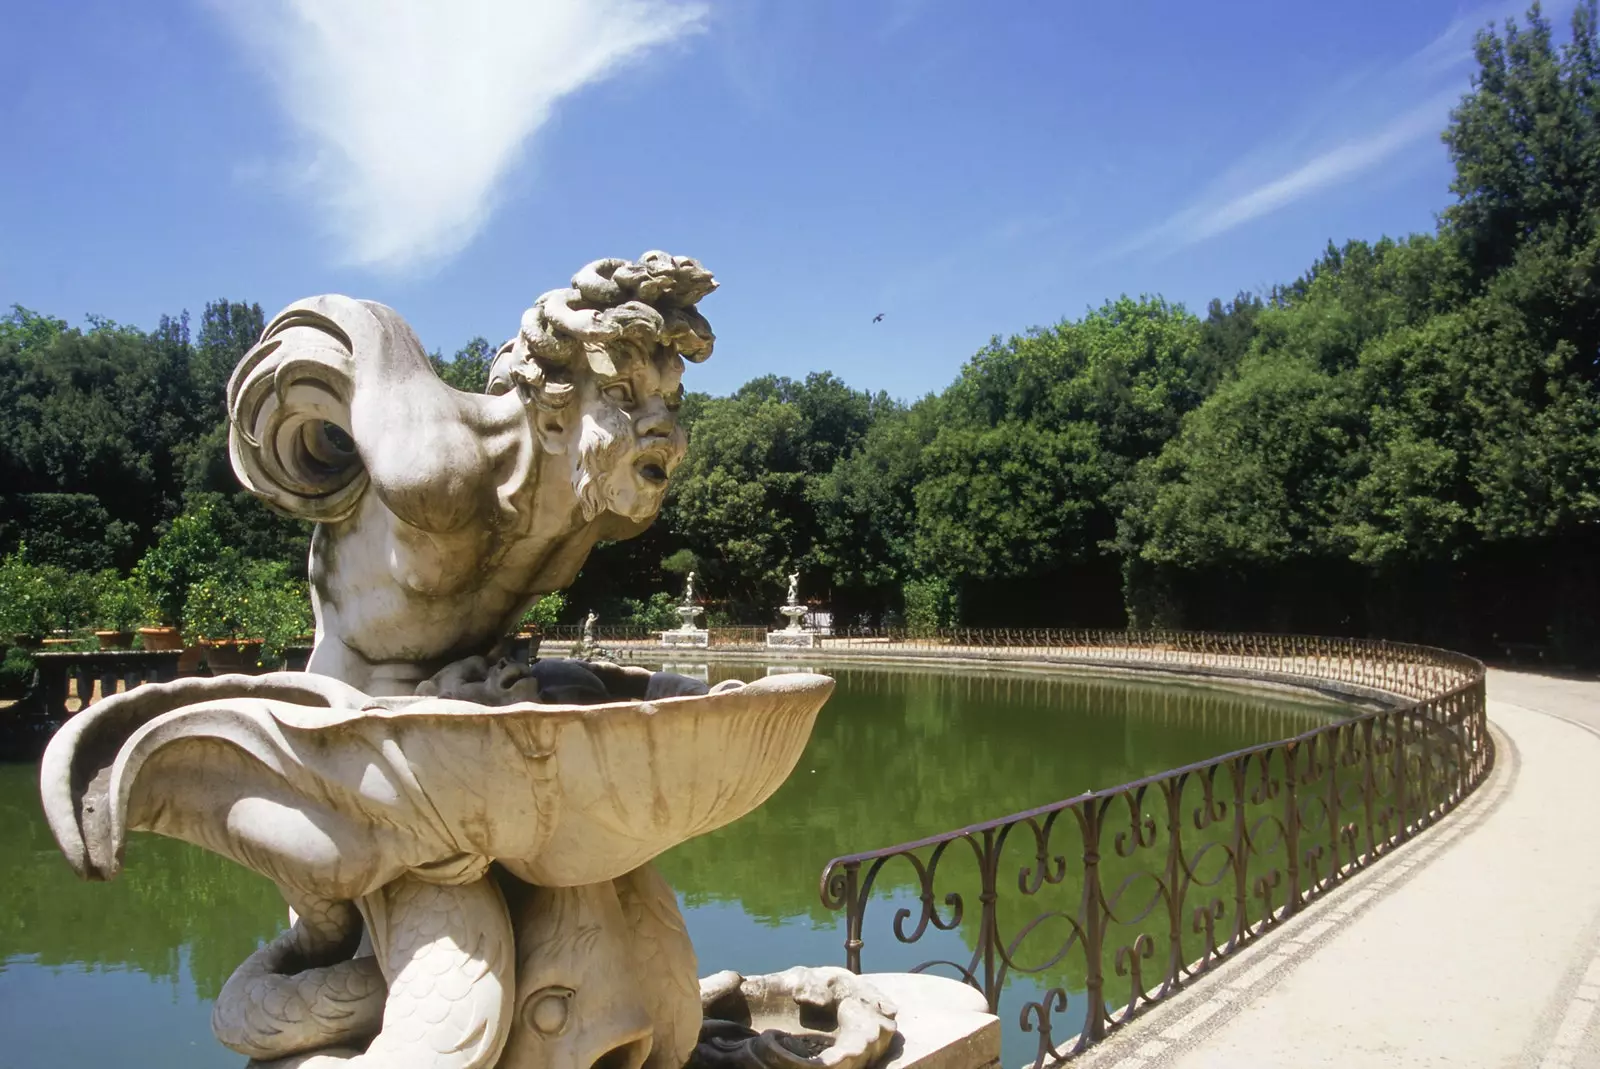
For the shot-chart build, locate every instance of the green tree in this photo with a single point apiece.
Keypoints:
(228, 329)
(546, 612)
(1524, 142)
(1253, 476)
(1021, 481)
(1006, 501)
(107, 412)
(866, 511)
(468, 369)
(188, 551)
(743, 499)
(71, 530)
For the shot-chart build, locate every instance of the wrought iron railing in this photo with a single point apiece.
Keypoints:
(1115, 899)
(560, 634)
(557, 635)
(739, 636)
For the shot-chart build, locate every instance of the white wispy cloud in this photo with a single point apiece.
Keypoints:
(1434, 78)
(412, 113)
(1338, 164)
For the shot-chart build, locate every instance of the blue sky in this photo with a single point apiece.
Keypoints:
(965, 168)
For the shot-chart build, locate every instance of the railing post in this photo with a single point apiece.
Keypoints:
(1291, 827)
(1241, 854)
(1175, 892)
(1428, 725)
(1094, 1021)
(1402, 796)
(1369, 788)
(1335, 818)
(854, 914)
(989, 921)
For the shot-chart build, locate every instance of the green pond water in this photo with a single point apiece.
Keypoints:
(124, 973)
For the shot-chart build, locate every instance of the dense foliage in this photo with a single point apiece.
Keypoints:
(1403, 442)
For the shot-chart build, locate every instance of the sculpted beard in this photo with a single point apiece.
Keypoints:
(605, 448)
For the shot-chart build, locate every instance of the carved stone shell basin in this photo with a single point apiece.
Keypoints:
(333, 793)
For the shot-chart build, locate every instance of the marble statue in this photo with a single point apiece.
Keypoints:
(588, 628)
(794, 588)
(687, 634)
(442, 515)
(465, 840)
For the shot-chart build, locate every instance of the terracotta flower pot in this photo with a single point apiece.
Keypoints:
(27, 642)
(57, 643)
(231, 654)
(161, 638)
(115, 640)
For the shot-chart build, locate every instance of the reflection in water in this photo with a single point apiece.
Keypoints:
(119, 973)
(897, 753)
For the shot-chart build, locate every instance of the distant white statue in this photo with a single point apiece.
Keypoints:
(588, 628)
(688, 590)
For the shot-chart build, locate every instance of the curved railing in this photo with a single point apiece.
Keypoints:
(633, 635)
(1115, 899)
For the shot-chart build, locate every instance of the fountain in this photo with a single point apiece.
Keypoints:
(687, 634)
(793, 637)
(465, 839)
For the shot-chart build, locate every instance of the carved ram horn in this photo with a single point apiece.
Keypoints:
(289, 409)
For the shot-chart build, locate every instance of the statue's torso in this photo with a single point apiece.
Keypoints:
(395, 602)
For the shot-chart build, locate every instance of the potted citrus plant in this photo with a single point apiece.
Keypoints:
(244, 610)
(71, 604)
(280, 609)
(541, 614)
(28, 599)
(216, 618)
(188, 551)
(120, 605)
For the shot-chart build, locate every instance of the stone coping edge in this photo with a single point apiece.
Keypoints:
(1246, 678)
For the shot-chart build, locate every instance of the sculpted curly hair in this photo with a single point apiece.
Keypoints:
(615, 312)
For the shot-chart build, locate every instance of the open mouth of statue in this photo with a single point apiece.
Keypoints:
(653, 473)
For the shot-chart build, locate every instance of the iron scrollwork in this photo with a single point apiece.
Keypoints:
(1224, 849)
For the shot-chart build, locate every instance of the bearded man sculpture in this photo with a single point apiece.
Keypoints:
(442, 515)
(466, 840)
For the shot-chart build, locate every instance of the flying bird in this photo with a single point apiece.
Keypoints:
(878, 318)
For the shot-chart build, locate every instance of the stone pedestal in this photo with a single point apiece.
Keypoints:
(793, 637)
(688, 636)
(875, 1021)
(791, 640)
(943, 1023)
(694, 670)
